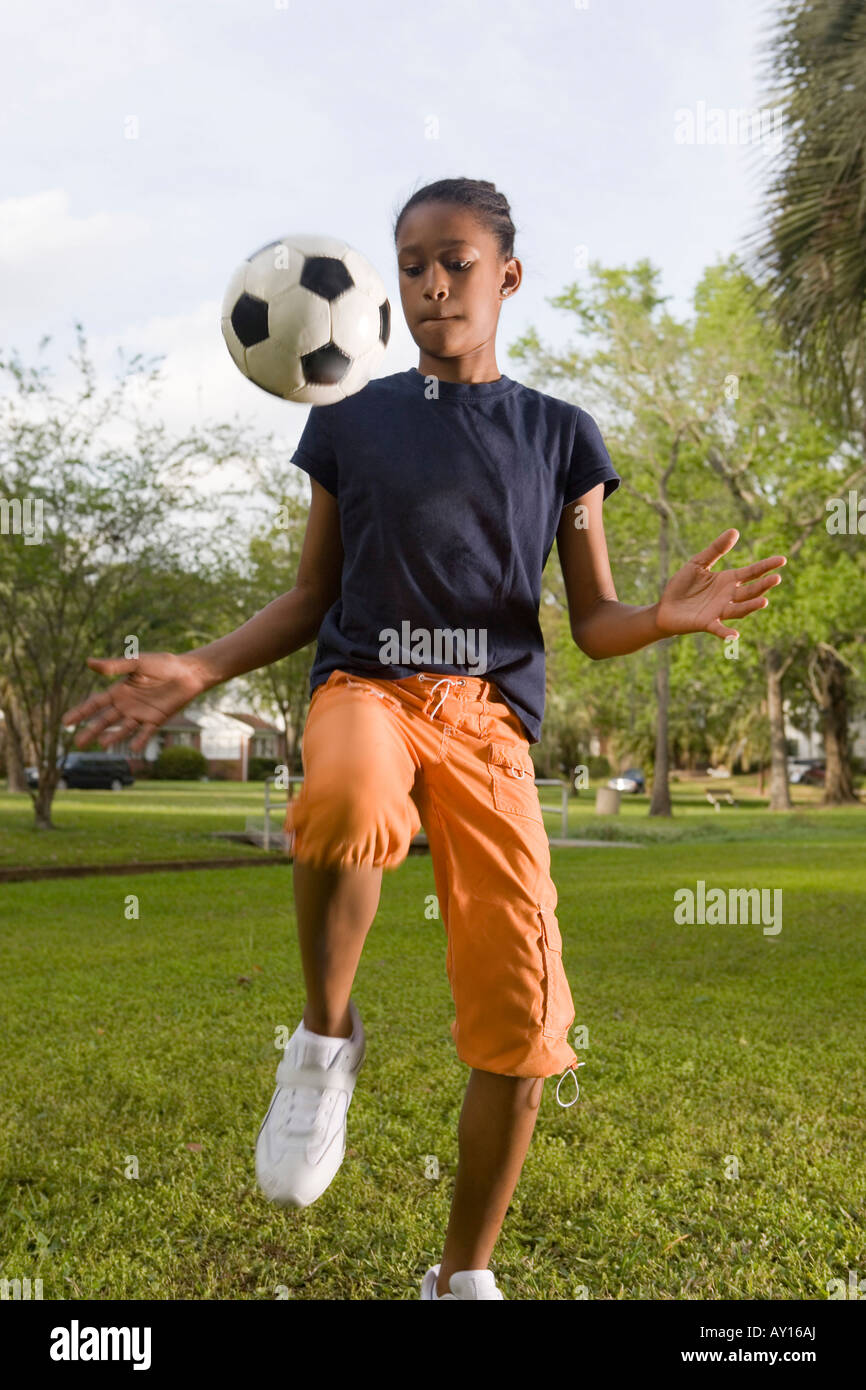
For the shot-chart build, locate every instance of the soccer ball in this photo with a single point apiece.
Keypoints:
(307, 318)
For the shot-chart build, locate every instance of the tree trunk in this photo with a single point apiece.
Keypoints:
(16, 779)
(831, 689)
(660, 805)
(780, 795)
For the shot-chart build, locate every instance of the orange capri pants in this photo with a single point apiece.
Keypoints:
(383, 758)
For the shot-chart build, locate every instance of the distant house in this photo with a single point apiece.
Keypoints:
(265, 740)
(179, 731)
(227, 741)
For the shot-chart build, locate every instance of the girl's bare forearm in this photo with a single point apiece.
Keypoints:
(615, 629)
(280, 628)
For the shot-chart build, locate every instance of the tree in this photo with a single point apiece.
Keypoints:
(92, 554)
(705, 422)
(809, 255)
(780, 460)
(270, 569)
(658, 387)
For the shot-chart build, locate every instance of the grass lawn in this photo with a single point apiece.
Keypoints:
(150, 820)
(154, 1039)
(177, 820)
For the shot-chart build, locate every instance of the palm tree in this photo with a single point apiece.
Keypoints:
(809, 257)
(810, 253)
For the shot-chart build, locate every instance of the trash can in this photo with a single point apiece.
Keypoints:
(607, 801)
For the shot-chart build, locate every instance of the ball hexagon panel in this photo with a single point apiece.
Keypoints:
(275, 367)
(355, 322)
(275, 268)
(300, 317)
(364, 276)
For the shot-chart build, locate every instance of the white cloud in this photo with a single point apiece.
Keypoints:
(57, 265)
(42, 228)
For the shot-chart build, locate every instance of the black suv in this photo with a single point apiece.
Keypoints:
(89, 770)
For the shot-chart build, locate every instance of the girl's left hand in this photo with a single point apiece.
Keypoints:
(694, 600)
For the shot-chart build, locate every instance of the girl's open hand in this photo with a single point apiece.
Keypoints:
(155, 686)
(694, 600)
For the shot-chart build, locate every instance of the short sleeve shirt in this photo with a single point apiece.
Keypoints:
(450, 495)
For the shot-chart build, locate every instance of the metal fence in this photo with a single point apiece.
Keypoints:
(274, 806)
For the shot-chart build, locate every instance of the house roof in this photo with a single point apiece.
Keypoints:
(181, 721)
(254, 722)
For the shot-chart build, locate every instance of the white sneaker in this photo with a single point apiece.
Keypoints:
(464, 1284)
(302, 1139)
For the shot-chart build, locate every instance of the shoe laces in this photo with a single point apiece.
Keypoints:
(304, 1112)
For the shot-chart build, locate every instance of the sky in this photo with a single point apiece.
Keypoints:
(147, 149)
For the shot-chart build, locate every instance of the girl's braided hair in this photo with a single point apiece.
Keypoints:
(489, 205)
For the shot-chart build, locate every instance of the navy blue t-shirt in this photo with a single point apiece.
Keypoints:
(449, 508)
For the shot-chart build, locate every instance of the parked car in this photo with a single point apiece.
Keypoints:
(812, 776)
(632, 780)
(82, 770)
(808, 770)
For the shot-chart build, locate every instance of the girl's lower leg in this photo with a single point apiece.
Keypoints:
(335, 910)
(496, 1125)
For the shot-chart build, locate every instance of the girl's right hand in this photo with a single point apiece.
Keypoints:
(155, 686)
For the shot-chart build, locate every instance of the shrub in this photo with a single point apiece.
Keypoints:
(180, 764)
(260, 768)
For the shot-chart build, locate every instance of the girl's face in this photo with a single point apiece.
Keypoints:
(451, 282)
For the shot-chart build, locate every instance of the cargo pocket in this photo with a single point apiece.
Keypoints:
(512, 775)
(557, 1012)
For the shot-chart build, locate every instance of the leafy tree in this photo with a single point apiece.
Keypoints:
(93, 555)
(809, 254)
(270, 567)
(705, 423)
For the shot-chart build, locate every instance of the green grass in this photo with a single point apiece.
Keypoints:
(177, 820)
(139, 1037)
(148, 821)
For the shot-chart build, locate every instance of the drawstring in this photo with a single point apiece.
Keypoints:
(444, 696)
(572, 1071)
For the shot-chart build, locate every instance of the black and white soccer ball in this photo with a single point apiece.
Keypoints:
(307, 318)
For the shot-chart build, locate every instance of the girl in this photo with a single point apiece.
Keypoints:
(437, 493)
